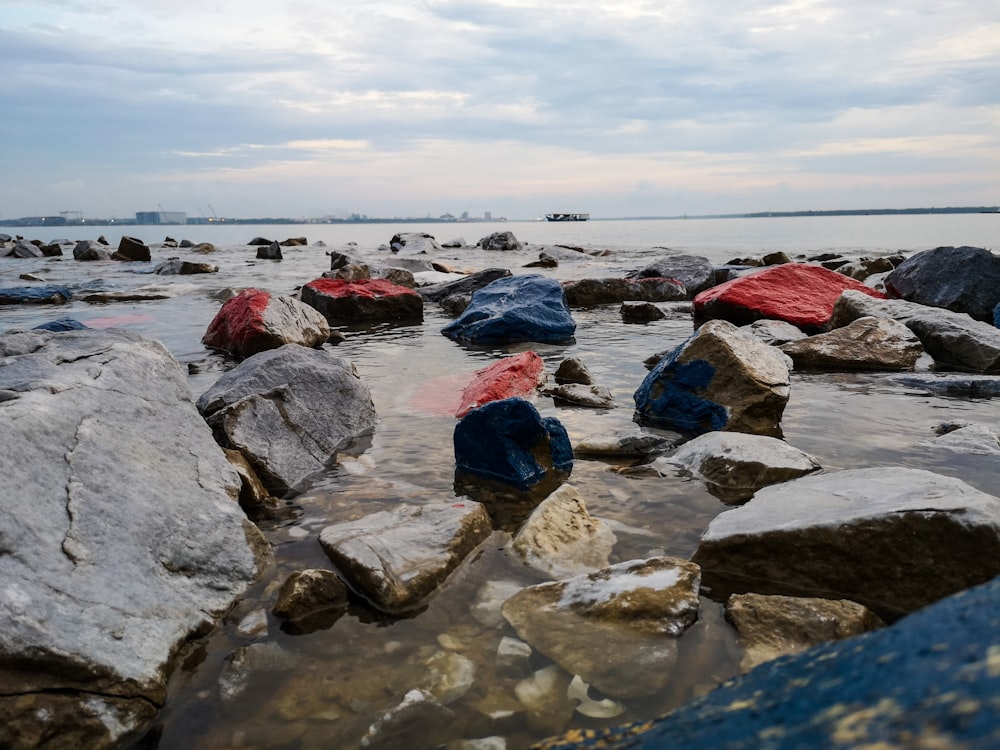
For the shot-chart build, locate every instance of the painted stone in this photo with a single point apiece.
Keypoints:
(341, 300)
(518, 375)
(254, 321)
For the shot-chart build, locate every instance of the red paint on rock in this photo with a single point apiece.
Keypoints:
(238, 323)
(368, 288)
(513, 376)
(800, 294)
(440, 397)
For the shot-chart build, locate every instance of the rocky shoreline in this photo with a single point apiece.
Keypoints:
(130, 526)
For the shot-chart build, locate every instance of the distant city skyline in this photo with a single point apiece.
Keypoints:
(423, 107)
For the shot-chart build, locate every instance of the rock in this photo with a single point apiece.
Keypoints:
(606, 708)
(695, 272)
(63, 324)
(35, 295)
(513, 657)
(641, 312)
(271, 252)
(307, 592)
(132, 249)
(90, 250)
(518, 375)
(139, 294)
(977, 439)
(176, 266)
(893, 539)
(951, 384)
(120, 538)
(397, 558)
(925, 682)
(254, 321)
(735, 465)
(773, 626)
(500, 242)
(863, 268)
(543, 694)
(449, 676)
(287, 410)
(203, 248)
(721, 378)
(485, 609)
(572, 370)
(30, 277)
(951, 338)
(464, 285)
(294, 242)
(591, 292)
(512, 310)
(592, 396)
(52, 250)
(245, 664)
(561, 539)
(508, 441)
(363, 300)
(457, 242)
(775, 332)
(626, 444)
(419, 715)
(960, 279)
(25, 249)
(260, 241)
(863, 344)
(775, 259)
(350, 272)
(616, 627)
(254, 498)
(413, 243)
(456, 304)
(796, 293)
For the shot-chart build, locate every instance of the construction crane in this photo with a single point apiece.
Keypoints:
(214, 217)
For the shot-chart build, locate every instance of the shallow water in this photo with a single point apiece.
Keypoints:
(325, 688)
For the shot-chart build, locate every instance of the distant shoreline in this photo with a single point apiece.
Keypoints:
(54, 221)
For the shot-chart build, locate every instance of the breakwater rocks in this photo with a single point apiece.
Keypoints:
(423, 572)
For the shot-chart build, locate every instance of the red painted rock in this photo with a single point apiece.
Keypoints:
(513, 376)
(255, 321)
(341, 300)
(797, 293)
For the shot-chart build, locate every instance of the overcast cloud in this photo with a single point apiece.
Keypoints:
(415, 108)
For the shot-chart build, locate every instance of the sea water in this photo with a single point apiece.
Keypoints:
(323, 689)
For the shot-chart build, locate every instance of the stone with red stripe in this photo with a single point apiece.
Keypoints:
(255, 321)
(796, 293)
(342, 300)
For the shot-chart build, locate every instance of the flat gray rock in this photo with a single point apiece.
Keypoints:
(120, 538)
(891, 538)
(867, 343)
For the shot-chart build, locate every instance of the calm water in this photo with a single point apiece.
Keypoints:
(322, 690)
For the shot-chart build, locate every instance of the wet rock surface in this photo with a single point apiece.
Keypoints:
(255, 321)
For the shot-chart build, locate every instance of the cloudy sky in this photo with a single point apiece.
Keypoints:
(519, 107)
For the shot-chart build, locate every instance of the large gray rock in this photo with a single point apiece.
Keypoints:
(287, 410)
(397, 558)
(950, 338)
(695, 272)
(500, 242)
(734, 465)
(893, 539)
(91, 250)
(616, 627)
(120, 537)
(863, 344)
(413, 243)
(961, 279)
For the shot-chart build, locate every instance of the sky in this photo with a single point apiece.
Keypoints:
(413, 108)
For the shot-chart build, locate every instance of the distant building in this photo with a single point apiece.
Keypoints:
(160, 217)
(488, 215)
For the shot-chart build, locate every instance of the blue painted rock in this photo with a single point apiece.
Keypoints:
(721, 378)
(514, 309)
(510, 442)
(341, 300)
(255, 321)
(35, 295)
(930, 680)
(63, 324)
(960, 279)
(797, 293)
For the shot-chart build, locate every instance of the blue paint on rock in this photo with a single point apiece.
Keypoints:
(670, 397)
(515, 309)
(28, 295)
(503, 440)
(63, 324)
(930, 680)
(996, 315)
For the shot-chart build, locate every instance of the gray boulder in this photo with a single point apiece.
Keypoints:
(893, 539)
(616, 627)
(592, 292)
(413, 243)
(120, 539)
(500, 242)
(288, 410)
(131, 249)
(977, 439)
(397, 558)
(695, 272)
(960, 279)
(176, 266)
(775, 332)
(734, 465)
(950, 338)
(465, 285)
(864, 344)
(577, 394)
(269, 252)
(573, 370)
(91, 250)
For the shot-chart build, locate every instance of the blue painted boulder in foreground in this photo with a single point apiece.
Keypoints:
(514, 309)
(930, 680)
(510, 442)
(35, 295)
(63, 324)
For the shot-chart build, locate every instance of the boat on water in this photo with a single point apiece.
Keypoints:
(567, 217)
